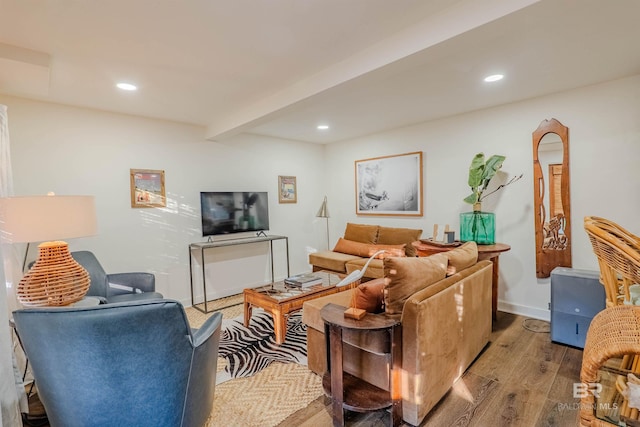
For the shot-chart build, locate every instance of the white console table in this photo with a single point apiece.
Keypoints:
(202, 246)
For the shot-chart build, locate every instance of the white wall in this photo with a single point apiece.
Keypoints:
(604, 133)
(80, 151)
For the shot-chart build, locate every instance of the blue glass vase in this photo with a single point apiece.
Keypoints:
(479, 227)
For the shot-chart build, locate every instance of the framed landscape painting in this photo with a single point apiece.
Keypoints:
(147, 188)
(389, 185)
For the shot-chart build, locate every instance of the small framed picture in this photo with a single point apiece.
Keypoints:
(287, 189)
(147, 188)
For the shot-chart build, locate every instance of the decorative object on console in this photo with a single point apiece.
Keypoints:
(448, 235)
(323, 212)
(287, 189)
(480, 226)
(55, 279)
(389, 185)
(147, 188)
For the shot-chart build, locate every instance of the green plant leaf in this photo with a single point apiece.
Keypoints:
(490, 168)
(472, 198)
(476, 171)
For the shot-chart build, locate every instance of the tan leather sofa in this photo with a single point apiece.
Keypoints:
(446, 322)
(359, 242)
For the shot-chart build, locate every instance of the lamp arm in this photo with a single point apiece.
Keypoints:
(357, 274)
(381, 251)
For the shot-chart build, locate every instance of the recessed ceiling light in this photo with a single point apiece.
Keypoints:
(127, 86)
(493, 78)
(322, 127)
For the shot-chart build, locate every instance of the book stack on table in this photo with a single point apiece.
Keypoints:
(303, 280)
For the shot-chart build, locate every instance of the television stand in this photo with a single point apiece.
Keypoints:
(261, 233)
(202, 246)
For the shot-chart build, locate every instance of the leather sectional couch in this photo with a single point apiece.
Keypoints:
(444, 304)
(361, 241)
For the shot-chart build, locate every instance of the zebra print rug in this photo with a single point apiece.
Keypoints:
(247, 351)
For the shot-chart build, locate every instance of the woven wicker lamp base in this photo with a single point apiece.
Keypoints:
(56, 279)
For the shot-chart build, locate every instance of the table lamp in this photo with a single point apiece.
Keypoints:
(354, 312)
(56, 279)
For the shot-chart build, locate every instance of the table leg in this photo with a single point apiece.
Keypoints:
(337, 390)
(494, 288)
(396, 375)
(280, 325)
(247, 314)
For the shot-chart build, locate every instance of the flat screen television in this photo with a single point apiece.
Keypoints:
(225, 212)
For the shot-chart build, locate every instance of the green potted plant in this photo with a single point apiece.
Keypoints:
(480, 174)
(477, 225)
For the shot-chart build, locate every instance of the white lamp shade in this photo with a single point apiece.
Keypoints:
(46, 218)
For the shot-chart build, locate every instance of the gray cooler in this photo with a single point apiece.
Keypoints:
(576, 297)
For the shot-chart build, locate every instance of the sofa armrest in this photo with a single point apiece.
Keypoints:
(311, 309)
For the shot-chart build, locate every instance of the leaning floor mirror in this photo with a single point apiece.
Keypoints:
(551, 197)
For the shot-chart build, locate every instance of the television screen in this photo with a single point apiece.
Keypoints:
(225, 212)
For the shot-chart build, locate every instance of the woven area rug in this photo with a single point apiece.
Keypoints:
(265, 399)
(248, 351)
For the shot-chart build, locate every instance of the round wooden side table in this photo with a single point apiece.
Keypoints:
(352, 393)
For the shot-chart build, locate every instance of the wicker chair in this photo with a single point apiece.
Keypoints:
(618, 253)
(615, 332)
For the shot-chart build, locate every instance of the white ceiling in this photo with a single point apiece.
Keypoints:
(281, 67)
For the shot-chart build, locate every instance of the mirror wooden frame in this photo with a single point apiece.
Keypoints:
(553, 234)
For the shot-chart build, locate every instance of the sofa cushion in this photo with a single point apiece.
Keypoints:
(362, 233)
(375, 269)
(406, 276)
(329, 260)
(398, 236)
(369, 296)
(462, 257)
(367, 249)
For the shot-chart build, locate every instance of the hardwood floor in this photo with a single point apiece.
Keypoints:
(520, 379)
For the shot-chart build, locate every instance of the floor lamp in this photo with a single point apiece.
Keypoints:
(55, 279)
(323, 212)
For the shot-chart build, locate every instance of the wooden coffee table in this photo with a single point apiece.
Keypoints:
(280, 300)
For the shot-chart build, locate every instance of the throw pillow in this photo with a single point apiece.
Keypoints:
(406, 276)
(365, 250)
(462, 257)
(397, 236)
(361, 233)
(369, 296)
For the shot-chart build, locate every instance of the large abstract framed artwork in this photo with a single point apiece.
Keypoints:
(389, 185)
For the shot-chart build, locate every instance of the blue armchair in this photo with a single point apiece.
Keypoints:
(118, 287)
(122, 364)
